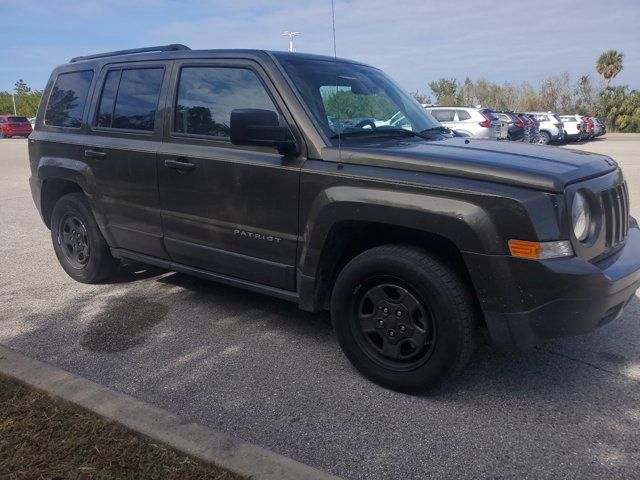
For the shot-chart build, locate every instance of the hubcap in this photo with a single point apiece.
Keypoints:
(74, 242)
(393, 325)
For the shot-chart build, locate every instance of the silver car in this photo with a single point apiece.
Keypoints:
(471, 122)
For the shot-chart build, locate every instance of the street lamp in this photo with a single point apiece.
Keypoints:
(291, 35)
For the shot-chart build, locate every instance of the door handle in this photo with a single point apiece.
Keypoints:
(94, 154)
(179, 164)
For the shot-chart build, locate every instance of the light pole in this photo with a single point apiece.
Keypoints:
(291, 35)
(13, 97)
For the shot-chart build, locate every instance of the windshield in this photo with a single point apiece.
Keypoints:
(349, 100)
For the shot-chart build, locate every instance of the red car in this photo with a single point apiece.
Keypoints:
(589, 127)
(12, 126)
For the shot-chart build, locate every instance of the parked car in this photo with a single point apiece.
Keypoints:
(574, 127)
(516, 126)
(14, 126)
(470, 122)
(533, 127)
(224, 164)
(598, 127)
(589, 127)
(551, 129)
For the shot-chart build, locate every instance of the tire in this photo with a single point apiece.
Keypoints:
(79, 245)
(417, 288)
(544, 138)
(2, 134)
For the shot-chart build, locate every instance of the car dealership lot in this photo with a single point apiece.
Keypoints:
(272, 375)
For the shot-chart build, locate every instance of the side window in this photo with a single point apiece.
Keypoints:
(130, 98)
(463, 115)
(207, 95)
(108, 99)
(68, 98)
(443, 115)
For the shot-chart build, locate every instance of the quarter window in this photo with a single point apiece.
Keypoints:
(207, 95)
(130, 99)
(443, 115)
(463, 115)
(67, 99)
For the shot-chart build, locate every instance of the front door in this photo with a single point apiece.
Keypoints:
(226, 209)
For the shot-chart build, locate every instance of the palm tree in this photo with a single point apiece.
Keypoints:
(609, 65)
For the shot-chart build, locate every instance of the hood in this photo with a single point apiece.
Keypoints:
(534, 166)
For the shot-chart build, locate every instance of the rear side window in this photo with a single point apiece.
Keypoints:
(443, 115)
(207, 95)
(129, 99)
(67, 99)
(463, 115)
(18, 119)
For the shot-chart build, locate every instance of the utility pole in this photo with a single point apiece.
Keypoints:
(291, 35)
(13, 97)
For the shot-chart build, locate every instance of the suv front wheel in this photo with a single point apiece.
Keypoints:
(403, 317)
(79, 245)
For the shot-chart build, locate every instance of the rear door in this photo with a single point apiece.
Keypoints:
(126, 130)
(227, 209)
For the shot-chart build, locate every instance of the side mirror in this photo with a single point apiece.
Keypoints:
(253, 126)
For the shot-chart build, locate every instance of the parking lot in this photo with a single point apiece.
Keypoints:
(264, 371)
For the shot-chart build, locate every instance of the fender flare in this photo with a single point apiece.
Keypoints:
(467, 225)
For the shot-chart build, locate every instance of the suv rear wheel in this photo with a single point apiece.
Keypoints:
(79, 245)
(403, 317)
(544, 138)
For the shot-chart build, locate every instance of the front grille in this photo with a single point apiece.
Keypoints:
(615, 205)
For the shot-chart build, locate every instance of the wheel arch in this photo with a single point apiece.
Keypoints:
(344, 227)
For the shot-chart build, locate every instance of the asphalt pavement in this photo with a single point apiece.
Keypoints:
(260, 369)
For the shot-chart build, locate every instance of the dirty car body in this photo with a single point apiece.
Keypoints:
(286, 205)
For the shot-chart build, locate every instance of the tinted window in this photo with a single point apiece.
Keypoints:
(137, 99)
(207, 95)
(107, 99)
(67, 99)
(18, 119)
(463, 115)
(443, 115)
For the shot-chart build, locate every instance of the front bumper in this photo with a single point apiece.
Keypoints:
(527, 301)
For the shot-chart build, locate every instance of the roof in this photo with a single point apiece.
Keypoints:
(182, 51)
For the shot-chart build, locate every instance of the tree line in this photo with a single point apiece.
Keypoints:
(26, 100)
(618, 106)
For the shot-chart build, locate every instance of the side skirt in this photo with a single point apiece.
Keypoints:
(216, 277)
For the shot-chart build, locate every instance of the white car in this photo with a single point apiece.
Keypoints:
(471, 122)
(574, 127)
(551, 128)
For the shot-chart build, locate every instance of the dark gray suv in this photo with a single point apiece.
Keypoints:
(319, 181)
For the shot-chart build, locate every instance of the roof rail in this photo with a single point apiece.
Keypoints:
(159, 48)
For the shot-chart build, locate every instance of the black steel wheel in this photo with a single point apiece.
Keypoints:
(74, 241)
(403, 317)
(392, 324)
(79, 245)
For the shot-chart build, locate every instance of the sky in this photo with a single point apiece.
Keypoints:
(415, 41)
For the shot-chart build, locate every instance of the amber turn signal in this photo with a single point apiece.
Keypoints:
(540, 250)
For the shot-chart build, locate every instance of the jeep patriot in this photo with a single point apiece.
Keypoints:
(318, 180)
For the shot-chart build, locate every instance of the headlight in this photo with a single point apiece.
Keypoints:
(580, 216)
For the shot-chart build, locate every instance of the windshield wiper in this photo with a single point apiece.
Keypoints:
(439, 128)
(376, 132)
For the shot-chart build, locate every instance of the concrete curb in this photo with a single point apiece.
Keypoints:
(191, 438)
